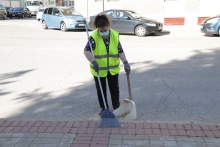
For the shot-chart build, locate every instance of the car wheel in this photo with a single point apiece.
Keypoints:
(63, 27)
(219, 31)
(22, 16)
(30, 16)
(140, 31)
(5, 16)
(44, 25)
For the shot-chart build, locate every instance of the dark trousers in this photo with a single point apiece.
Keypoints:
(113, 87)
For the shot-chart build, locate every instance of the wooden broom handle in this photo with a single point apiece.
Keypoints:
(129, 86)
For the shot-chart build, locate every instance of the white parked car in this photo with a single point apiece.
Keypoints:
(39, 13)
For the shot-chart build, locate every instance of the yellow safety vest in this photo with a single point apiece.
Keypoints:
(107, 61)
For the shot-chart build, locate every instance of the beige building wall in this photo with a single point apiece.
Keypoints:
(177, 12)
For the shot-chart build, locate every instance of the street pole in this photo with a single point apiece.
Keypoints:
(87, 9)
(103, 2)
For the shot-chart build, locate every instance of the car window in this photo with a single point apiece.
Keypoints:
(134, 14)
(56, 11)
(119, 14)
(50, 10)
(110, 14)
(17, 9)
(41, 10)
(69, 11)
(45, 11)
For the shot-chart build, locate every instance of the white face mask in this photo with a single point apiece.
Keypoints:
(104, 34)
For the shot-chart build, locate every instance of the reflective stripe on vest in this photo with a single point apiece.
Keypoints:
(107, 61)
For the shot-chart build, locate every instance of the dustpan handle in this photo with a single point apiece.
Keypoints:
(99, 81)
(129, 86)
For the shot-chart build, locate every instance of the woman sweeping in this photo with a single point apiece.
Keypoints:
(107, 52)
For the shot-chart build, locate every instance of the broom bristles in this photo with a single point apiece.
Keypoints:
(108, 119)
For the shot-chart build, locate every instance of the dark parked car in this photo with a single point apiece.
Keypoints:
(8, 9)
(20, 12)
(211, 25)
(129, 22)
(3, 12)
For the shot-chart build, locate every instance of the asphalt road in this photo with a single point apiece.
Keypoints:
(45, 76)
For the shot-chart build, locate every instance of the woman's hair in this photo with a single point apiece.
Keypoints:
(101, 20)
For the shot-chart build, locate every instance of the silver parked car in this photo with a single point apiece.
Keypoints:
(3, 12)
(39, 13)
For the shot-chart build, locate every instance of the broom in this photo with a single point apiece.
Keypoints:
(108, 118)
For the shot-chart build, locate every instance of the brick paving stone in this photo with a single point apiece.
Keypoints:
(155, 126)
(8, 129)
(171, 126)
(213, 127)
(69, 124)
(26, 140)
(182, 132)
(196, 139)
(213, 145)
(147, 126)
(53, 124)
(131, 125)
(170, 143)
(22, 123)
(179, 127)
(165, 132)
(61, 124)
(209, 139)
(174, 133)
(17, 129)
(15, 123)
(148, 131)
(196, 127)
(39, 140)
(116, 136)
(205, 127)
(139, 125)
(169, 138)
(209, 134)
(156, 131)
(64, 133)
(216, 133)
(163, 126)
(92, 124)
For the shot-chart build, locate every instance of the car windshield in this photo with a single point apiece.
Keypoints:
(8, 8)
(69, 11)
(134, 14)
(41, 10)
(17, 9)
(33, 3)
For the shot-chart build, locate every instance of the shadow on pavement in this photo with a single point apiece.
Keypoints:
(181, 91)
(9, 78)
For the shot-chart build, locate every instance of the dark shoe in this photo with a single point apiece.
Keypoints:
(100, 113)
(116, 107)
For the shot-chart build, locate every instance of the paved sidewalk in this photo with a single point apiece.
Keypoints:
(88, 134)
